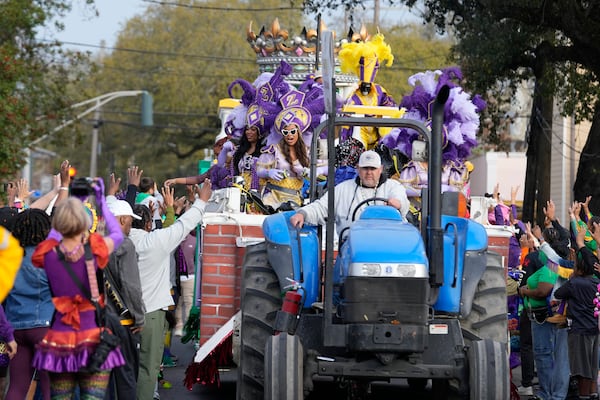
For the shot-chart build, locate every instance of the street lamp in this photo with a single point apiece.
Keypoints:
(98, 102)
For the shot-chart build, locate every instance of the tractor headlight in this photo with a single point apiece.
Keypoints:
(407, 270)
(371, 270)
(391, 270)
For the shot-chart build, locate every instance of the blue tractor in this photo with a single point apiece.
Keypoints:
(423, 304)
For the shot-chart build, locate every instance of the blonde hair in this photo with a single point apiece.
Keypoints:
(70, 218)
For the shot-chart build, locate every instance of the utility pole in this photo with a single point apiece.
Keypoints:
(94, 150)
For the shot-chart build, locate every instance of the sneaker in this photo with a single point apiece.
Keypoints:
(168, 362)
(178, 332)
(525, 390)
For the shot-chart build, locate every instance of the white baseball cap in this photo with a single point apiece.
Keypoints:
(369, 159)
(121, 207)
(220, 136)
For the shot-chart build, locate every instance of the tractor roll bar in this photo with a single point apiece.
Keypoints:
(434, 239)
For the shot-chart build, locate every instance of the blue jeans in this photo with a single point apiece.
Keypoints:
(551, 355)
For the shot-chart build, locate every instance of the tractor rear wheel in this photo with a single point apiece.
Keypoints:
(488, 367)
(488, 317)
(260, 300)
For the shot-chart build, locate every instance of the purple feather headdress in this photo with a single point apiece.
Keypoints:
(259, 102)
(313, 101)
(461, 114)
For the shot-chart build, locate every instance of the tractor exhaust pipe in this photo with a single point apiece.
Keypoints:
(435, 242)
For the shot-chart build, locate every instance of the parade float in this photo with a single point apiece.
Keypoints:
(229, 228)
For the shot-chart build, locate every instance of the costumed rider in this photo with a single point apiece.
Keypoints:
(363, 59)
(285, 164)
(285, 161)
(249, 123)
(461, 123)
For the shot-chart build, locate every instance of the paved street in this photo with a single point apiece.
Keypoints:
(176, 375)
(185, 352)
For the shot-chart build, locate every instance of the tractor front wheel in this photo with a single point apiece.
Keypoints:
(488, 366)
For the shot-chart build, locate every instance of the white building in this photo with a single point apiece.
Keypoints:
(508, 169)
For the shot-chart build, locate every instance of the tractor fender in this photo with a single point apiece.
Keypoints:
(474, 267)
(293, 254)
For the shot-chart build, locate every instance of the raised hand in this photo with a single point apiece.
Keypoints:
(65, 178)
(496, 193)
(170, 182)
(134, 175)
(179, 205)
(56, 182)
(113, 185)
(573, 210)
(550, 210)
(537, 232)
(11, 192)
(23, 191)
(528, 228)
(167, 193)
(205, 191)
(513, 194)
(152, 207)
(190, 193)
(586, 205)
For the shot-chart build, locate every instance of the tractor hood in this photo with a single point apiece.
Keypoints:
(384, 241)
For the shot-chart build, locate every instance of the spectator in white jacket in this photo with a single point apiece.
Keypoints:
(154, 248)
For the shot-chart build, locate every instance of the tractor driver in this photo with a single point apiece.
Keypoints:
(370, 183)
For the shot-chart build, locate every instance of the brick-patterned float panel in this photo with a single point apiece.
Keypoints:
(222, 261)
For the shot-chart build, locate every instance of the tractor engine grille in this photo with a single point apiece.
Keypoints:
(384, 300)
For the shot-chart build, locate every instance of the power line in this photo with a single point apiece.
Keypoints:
(193, 6)
(159, 53)
(171, 72)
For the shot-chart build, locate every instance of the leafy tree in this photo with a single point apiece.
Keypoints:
(509, 40)
(34, 78)
(558, 43)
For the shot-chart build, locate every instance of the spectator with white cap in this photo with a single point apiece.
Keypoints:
(154, 248)
(123, 268)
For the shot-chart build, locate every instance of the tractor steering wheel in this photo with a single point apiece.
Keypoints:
(341, 235)
(364, 202)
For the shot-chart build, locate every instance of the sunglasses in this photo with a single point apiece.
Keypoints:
(286, 132)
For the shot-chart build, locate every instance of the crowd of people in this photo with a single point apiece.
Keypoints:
(51, 330)
(555, 299)
(84, 249)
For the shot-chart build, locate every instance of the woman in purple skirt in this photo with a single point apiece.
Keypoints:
(74, 335)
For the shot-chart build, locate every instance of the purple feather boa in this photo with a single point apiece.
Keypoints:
(461, 114)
